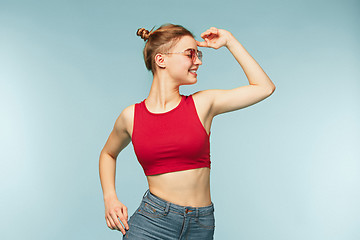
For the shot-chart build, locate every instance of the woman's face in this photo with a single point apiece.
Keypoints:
(179, 65)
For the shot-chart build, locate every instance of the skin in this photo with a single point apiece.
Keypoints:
(189, 187)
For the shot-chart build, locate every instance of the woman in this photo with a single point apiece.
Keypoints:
(170, 134)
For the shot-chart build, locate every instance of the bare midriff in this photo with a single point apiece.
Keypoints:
(185, 188)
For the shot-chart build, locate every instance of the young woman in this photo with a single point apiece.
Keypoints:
(170, 133)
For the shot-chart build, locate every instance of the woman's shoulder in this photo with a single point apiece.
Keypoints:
(128, 112)
(127, 117)
(203, 98)
(202, 101)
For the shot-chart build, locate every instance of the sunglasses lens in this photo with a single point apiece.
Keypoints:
(200, 55)
(193, 55)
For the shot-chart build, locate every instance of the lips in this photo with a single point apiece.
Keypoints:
(193, 72)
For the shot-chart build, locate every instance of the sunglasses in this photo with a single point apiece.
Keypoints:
(191, 53)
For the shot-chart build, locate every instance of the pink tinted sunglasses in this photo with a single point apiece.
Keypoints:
(190, 53)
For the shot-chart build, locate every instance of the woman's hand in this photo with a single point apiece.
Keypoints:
(114, 210)
(214, 38)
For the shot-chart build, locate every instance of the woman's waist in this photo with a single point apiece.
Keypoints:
(183, 198)
(163, 206)
(185, 188)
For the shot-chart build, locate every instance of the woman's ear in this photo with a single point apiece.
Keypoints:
(160, 60)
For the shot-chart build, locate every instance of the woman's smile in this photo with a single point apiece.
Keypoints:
(193, 71)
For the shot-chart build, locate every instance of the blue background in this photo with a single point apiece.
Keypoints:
(285, 168)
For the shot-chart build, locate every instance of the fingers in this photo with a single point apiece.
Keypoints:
(113, 222)
(125, 213)
(116, 223)
(201, 44)
(108, 223)
(116, 215)
(123, 217)
(212, 30)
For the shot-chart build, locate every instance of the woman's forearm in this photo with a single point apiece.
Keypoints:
(107, 171)
(253, 71)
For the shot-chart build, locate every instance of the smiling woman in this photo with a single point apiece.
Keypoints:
(170, 133)
(161, 40)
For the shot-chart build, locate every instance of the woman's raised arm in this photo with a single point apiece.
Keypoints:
(260, 86)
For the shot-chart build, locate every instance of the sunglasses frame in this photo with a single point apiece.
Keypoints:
(193, 53)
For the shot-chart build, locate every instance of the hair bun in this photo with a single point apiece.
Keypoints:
(143, 33)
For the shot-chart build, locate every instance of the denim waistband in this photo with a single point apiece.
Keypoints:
(184, 210)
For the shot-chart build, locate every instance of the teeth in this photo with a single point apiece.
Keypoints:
(192, 70)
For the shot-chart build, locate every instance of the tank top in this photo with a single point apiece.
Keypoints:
(172, 141)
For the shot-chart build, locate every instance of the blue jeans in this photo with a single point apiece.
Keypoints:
(158, 219)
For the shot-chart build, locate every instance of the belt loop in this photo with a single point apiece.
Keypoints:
(167, 208)
(197, 213)
(145, 193)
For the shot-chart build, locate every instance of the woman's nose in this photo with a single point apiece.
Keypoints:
(197, 61)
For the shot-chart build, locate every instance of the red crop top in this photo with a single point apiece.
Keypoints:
(172, 141)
